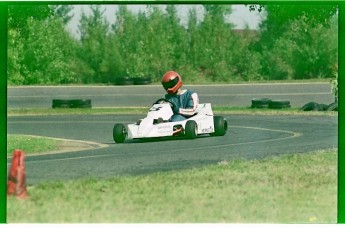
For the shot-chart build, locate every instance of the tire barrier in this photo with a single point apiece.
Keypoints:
(268, 103)
(133, 80)
(59, 103)
(74, 103)
(311, 106)
(279, 104)
(142, 80)
(260, 103)
(333, 107)
(314, 106)
(124, 81)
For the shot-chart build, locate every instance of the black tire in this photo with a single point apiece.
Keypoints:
(323, 107)
(191, 129)
(61, 103)
(119, 133)
(311, 106)
(333, 107)
(220, 126)
(124, 81)
(279, 104)
(260, 103)
(81, 103)
(142, 80)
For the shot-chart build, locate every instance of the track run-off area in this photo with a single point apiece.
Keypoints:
(248, 137)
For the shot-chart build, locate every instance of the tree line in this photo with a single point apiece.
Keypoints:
(292, 42)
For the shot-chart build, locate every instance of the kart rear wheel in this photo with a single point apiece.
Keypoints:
(119, 133)
(220, 126)
(191, 129)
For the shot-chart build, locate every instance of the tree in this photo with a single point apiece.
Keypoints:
(16, 71)
(302, 51)
(280, 16)
(64, 12)
(297, 41)
(18, 15)
(43, 56)
(215, 42)
(192, 37)
(313, 14)
(129, 40)
(94, 31)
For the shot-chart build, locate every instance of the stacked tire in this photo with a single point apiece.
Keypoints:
(74, 103)
(279, 104)
(133, 80)
(333, 107)
(125, 81)
(260, 103)
(142, 80)
(268, 103)
(81, 103)
(314, 106)
(59, 103)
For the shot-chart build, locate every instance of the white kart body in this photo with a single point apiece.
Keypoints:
(148, 128)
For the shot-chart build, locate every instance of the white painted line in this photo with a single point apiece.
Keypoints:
(85, 145)
(291, 135)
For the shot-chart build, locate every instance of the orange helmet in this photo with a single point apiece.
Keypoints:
(171, 81)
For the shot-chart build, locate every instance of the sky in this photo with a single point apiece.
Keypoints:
(240, 16)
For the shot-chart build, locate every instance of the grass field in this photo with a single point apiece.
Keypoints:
(31, 144)
(143, 111)
(300, 188)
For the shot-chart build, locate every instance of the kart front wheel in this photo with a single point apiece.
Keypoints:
(119, 133)
(191, 129)
(220, 126)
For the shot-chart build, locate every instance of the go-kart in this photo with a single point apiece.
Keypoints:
(157, 124)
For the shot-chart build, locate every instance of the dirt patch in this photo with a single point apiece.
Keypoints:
(74, 145)
(69, 145)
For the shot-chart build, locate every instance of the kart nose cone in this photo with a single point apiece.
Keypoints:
(145, 126)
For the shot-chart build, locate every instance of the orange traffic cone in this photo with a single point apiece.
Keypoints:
(16, 182)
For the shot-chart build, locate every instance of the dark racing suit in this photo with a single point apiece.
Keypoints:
(185, 104)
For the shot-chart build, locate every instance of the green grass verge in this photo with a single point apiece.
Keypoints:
(30, 144)
(300, 188)
(143, 110)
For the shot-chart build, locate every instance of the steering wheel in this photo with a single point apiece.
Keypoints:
(163, 100)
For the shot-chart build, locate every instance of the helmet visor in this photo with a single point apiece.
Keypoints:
(170, 84)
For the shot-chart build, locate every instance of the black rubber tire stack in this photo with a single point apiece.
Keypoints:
(279, 104)
(333, 107)
(260, 103)
(74, 103)
(81, 103)
(142, 80)
(314, 106)
(61, 103)
(311, 106)
(124, 81)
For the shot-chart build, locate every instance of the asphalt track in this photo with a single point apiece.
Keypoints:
(249, 137)
(231, 95)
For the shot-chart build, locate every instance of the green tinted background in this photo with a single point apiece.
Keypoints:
(341, 157)
(3, 111)
(3, 102)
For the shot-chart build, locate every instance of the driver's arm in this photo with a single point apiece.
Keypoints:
(191, 106)
(175, 102)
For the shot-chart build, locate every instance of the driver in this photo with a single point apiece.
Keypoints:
(185, 101)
